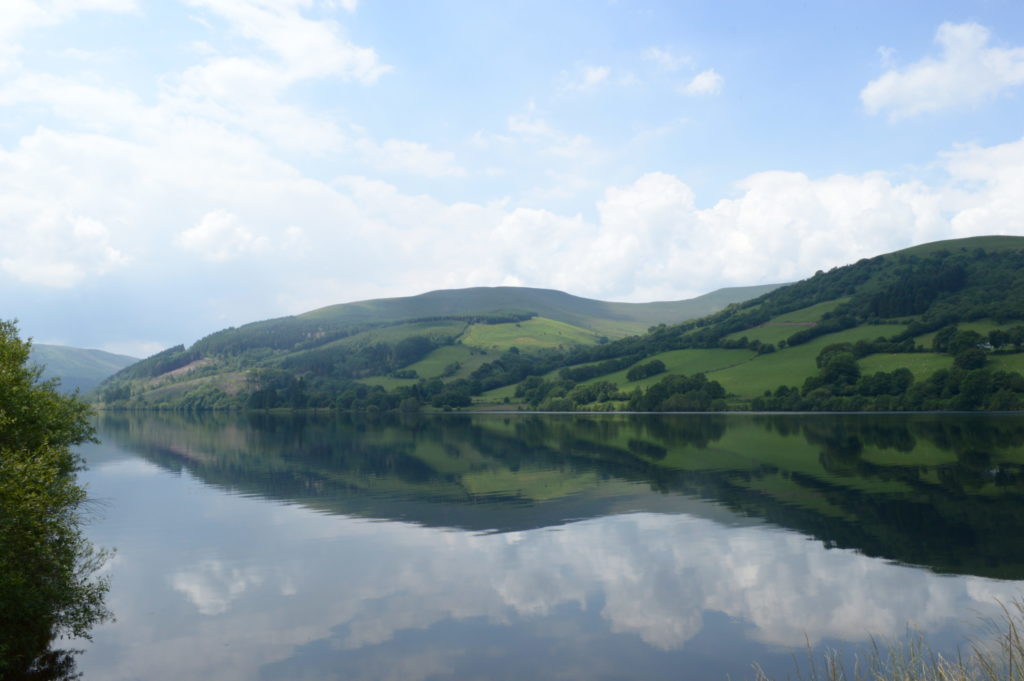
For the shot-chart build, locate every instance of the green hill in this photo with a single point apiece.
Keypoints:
(614, 320)
(77, 368)
(937, 326)
(310, 359)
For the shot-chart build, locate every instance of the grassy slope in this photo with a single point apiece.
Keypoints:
(530, 334)
(791, 366)
(989, 243)
(78, 367)
(685, 362)
(606, 318)
(982, 326)
(741, 372)
(922, 365)
(782, 327)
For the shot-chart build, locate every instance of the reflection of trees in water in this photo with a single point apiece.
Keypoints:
(447, 466)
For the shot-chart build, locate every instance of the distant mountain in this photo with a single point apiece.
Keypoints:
(395, 341)
(77, 367)
(605, 318)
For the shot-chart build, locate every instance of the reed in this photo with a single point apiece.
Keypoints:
(996, 654)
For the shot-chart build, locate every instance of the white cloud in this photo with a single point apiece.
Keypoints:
(213, 585)
(707, 82)
(666, 59)
(347, 5)
(52, 248)
(307, 48)
(219, 237)
(18, 16)
(532, 128)
(968, 73)
(654, 577)
(409, 157)
(589, 79)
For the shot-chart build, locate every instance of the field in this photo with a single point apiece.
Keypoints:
(393, 334)
(785, 325)
(921, 364)
(812, 313)
(791, 366)
(767, 333)
(535, 333)
(982, 326)
(686, 362)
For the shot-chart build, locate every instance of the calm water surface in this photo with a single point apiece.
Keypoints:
(544, 547)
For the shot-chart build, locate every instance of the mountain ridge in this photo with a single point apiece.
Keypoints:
(77, 368)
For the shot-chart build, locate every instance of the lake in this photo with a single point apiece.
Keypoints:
(512, 546)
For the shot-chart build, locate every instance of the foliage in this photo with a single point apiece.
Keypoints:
(47, 568)
(641, 371)
(680, 393)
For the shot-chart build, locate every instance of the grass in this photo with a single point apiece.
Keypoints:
(982, 326)
(781, 327)
(436, 362)
(535, 333)
(791, 366)
(811, 313)
(999, 656)
(767, 334)
(921, 364)
(392, 334)
(740, 371)
(1014, 362)
(686, 362)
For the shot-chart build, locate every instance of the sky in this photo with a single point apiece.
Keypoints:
(170, 168)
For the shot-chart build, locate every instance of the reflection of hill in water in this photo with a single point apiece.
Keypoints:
(944, 491)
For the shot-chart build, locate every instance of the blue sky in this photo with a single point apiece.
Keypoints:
(171, 168)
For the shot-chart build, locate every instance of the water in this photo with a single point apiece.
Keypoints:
(555, 547)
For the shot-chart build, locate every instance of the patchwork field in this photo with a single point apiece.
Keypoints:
(790, 366)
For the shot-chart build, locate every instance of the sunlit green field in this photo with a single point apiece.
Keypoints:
(535, 333)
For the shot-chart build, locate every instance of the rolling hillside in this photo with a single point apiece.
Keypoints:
(389, 343)
(937, 326)
(78, 368)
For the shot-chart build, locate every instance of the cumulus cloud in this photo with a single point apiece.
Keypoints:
(219, 237)
(55, 249)
(969, 71)
(707, 82)
(307, 48)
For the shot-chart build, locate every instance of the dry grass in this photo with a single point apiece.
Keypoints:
(997, 655)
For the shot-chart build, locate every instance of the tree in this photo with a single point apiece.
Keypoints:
(970, 358)
(48, 586)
